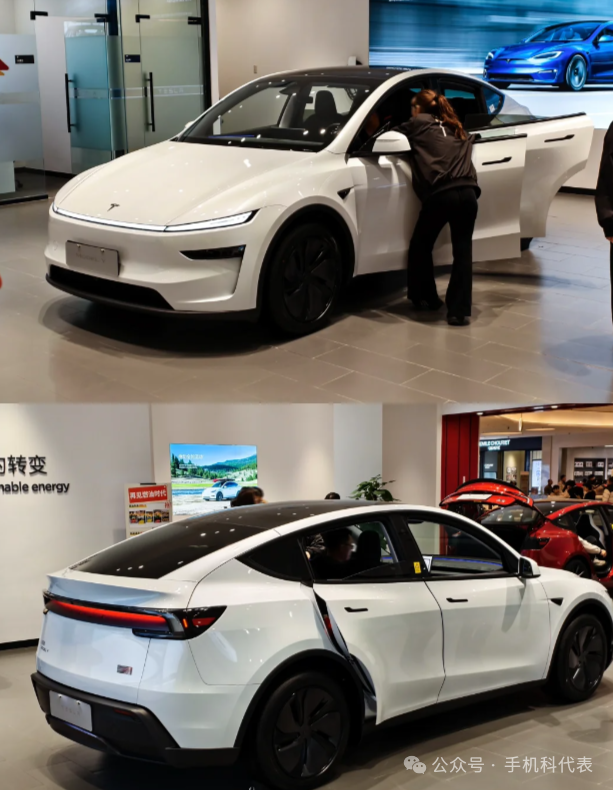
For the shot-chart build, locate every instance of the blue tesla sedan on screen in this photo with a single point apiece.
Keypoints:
(569, 55)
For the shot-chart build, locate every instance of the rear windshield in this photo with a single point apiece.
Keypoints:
(514, 514)
(166, 549)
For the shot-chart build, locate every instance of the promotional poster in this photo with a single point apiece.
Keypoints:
(147, 507)
(556, 57)
(207, 477)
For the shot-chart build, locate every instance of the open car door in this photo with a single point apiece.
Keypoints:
(500, 507)
(556, 149)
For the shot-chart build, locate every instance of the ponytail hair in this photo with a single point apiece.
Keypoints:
(432, 102)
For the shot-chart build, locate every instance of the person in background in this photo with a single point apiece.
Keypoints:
(248, 496)
(534, 491)
(604, 197)
(332, 495)
(607, 494)
(588, 492)
(562, 481)
(576, 492)
(445, 180)
(555, 492)
(549, 487)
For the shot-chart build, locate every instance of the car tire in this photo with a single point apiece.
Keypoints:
(525, 243)
(579, 568)
(305, 279)
(219, 496)
(579, 661)
(502, 85)
(575, 76)
(301, 733)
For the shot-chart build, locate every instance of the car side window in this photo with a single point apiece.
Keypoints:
(393, 110)
(361, 551)
(450, 551)
(606, 37)
(466, 99)
(283, 558)
(493, 100)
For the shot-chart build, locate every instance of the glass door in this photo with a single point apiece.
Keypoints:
(171, 66)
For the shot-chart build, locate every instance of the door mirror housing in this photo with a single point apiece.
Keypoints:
(528, 569)
(391, 143)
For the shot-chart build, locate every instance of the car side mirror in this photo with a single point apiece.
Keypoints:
(528, 569)
(391, 144)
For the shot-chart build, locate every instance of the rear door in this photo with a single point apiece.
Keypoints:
(388, 619)
(496, 625)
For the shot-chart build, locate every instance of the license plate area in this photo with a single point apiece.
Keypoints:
(88, 259)
(70, 710)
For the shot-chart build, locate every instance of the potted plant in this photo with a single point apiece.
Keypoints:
(374, 490)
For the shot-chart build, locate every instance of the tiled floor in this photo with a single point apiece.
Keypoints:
(32, 756)
(541, 331)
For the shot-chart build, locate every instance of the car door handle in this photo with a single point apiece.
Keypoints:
(498, 161)
(353, 611)
(457, 600)
(560, 139)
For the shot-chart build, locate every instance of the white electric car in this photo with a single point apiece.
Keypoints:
(222, 489)
(279, 194)
(237, 632)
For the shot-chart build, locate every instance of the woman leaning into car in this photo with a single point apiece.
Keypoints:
(445, 180)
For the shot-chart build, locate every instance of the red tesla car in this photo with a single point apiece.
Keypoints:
(544, 530)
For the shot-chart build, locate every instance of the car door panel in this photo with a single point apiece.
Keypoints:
(394, 630)
(556, 149)
(602, 56)
(496, 633)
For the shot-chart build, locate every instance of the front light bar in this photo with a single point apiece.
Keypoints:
(210, 224)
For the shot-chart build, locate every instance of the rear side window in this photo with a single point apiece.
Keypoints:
(166, 549)
(283, 559)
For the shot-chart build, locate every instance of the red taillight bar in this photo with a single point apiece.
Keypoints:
(89, 614)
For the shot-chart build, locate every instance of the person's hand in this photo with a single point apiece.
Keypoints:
(610, 238)
(603, 553)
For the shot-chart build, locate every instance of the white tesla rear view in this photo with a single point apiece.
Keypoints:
(280, 194)
(284, 632)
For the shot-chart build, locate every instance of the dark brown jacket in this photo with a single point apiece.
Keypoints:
(604, 188)
(439, 160)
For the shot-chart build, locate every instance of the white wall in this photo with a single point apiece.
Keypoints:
(358, 445)
(97, 450)
(7, 16)
(412, 437)
(295, 443)
(277, 35)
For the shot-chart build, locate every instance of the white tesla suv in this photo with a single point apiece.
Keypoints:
(279, 194)
(223, 489)
(286, 631)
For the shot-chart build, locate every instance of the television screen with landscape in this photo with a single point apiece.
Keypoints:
(206, 477)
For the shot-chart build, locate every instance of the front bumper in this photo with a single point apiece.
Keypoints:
(196, 272)
(126, 730)
(547, 73)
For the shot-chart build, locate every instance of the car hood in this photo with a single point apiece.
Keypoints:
(176, 182)
(529, 50)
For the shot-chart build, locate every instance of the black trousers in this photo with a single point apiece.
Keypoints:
(457, 207)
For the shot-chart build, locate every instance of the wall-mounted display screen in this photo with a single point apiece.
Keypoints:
(207, 477)
(555, 57)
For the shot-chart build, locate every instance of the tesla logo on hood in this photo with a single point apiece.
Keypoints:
(3, 67)
(112, 206)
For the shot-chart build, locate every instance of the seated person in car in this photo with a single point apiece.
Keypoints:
(597, 552)
(333, 562)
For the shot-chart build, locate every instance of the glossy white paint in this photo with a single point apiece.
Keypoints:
(399, 639)
(499, 637)
(416, 646)
(176, 183)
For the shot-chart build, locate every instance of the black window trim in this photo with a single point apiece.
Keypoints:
(446, 519)
(246, 559)
(388, 519)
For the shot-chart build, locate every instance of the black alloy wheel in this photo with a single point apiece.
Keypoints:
(579, 568)
(219, 496)
(576, 73)
(305, 279)
(586, 659)
(302, 732)
(580, 660)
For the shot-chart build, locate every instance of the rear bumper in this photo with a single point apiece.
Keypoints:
(126, 730)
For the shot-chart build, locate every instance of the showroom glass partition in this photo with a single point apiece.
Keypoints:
(22, 175)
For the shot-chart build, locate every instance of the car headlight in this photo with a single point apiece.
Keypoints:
(491, 55)
(547, 55)
(212, 224)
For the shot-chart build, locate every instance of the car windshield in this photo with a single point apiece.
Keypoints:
(296, 114)
(579, 31)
